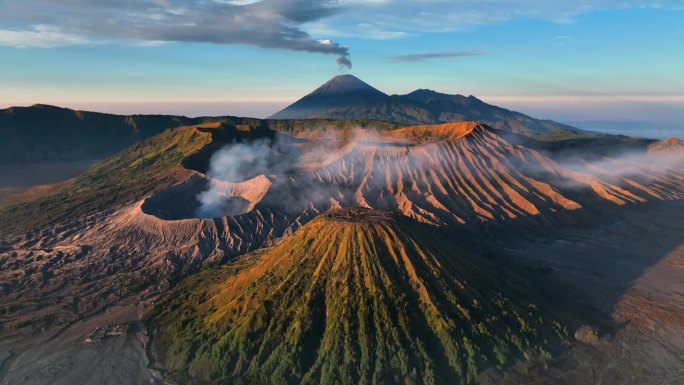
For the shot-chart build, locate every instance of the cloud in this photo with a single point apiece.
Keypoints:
(417, 57)
(399, 18)
(644, 167)
(40, 35)
(273, 24)
(562, 40)
(268, 23)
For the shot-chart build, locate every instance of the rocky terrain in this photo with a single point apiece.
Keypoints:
(130, 228)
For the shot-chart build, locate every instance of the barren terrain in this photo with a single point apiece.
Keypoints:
(630, 270)
(607, 234)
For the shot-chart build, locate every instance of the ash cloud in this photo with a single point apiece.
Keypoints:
(344, 62)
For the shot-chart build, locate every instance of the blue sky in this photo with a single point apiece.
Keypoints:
(598, 64)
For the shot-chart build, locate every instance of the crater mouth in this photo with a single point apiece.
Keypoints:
(203, 197)
(360, 215)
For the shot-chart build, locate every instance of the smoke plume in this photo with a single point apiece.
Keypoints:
(344, 62)
(283, 160)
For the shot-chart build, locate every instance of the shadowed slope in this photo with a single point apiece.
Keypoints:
(356, 296)
(347, 97)
(47, 133)
(343, 90)
(43, 133)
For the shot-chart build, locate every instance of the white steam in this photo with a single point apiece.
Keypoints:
(638, 165)
(300, 184)
(284, 160)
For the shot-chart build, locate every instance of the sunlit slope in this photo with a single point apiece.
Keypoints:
(354, 297)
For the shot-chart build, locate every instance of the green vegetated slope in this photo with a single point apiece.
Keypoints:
(356, 296)
(149, 165)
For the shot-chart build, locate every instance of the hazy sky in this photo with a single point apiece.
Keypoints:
(592, 62)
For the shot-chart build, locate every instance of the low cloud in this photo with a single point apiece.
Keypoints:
(644, 167)
(418, 57)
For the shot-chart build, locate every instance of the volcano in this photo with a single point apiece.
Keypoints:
(346, 84)
(348, 97)
(356, 296)
(352, 296)
(343, 91)
(136, 218)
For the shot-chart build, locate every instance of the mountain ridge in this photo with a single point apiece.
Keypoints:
(422, 106)
(45, 133)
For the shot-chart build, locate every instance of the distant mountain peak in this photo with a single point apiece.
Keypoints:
(425, 91)
(342, 90)
(343, 84)
(348, 97)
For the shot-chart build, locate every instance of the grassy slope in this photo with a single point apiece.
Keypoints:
(349, 303)
(122, 178)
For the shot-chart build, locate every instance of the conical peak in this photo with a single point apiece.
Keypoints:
(351, 280)
(342, 84)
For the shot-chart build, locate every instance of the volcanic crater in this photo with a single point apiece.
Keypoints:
(181, 201)
(455, 173)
